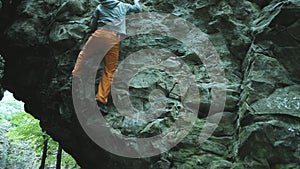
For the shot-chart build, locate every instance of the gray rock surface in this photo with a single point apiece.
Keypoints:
(269, 106)
(4, 143)
(258, 43)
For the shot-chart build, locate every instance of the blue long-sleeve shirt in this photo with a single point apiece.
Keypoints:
(110, 14)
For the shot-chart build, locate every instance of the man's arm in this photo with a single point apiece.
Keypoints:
(93, 24)
(135, 7)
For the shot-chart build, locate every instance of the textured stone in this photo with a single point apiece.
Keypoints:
(263, 74)
(226, 126)
(221, 164)
(4, 143)
(275, 142)
(162, 164)
(283, 101)
(278, 26)
(66, 36)
(269, 105)
(258, 43)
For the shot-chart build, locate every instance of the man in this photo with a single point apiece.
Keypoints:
(108, 24)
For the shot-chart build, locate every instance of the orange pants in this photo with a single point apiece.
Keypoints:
(101, 41)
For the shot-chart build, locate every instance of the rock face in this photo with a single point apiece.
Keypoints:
(4, 146)
(258, 43)
(269, 109)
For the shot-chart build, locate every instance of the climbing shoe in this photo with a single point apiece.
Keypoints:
(102, 107)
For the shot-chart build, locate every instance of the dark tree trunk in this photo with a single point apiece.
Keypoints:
(45, 149)
(58, 157)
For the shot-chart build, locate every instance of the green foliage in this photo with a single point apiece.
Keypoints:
(26, 128)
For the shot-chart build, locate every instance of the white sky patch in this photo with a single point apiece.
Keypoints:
(9, 105)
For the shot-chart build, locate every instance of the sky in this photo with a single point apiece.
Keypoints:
(9, 105)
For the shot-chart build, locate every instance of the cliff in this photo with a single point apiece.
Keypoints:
(258, 45)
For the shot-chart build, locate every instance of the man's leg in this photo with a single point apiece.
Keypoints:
(110, 66)
(93, 46)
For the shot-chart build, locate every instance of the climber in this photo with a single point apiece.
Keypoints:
(107, 25)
